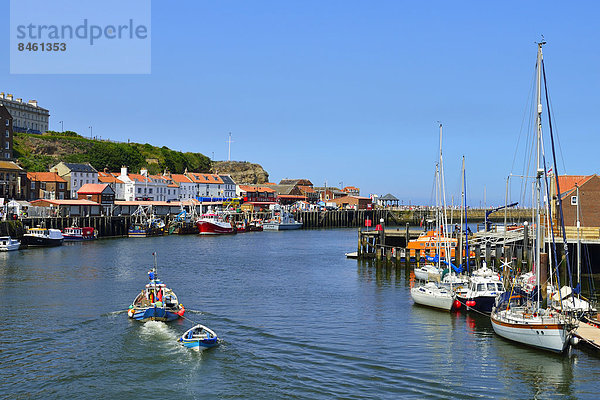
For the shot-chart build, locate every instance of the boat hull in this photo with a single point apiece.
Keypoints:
(536, 333)
(210, 228)
(268, 226)
(36, 241)
(144, 232)
(74, 238)
(483, 304)
(200, 345)
(155, 314)
(9, 244)
(428, 300)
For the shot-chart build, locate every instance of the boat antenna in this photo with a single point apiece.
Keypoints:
(155, 260)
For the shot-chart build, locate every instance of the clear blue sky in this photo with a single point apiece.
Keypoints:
(346, 91)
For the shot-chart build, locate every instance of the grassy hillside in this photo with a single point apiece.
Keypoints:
(39, 152)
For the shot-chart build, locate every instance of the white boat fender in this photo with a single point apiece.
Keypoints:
(574, 340)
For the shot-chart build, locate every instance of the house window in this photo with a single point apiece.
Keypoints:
(32, 185)
(74, 182)
(150, 190)
(8, 122)
(139, 190)
(7, 133)
(61, 185)
(6, 155)
(573, 200)
(61, 196)
(7, 146)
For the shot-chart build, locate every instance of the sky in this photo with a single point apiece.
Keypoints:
(348, 92)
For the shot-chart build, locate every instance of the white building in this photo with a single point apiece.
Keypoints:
(229, 186)
(187, 188)
(27, 117)
(76, 175)
(115, 183)
(207, 185)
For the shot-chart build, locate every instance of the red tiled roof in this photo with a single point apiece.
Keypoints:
(306, 189)
(108, 178)
(204, 178)
(44, 177)
(180, 178)
(92, 188)
(82, 202)
(247, 188)
(568, 182)
(138, 178)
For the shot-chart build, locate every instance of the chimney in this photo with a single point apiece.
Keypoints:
(123, 171)
(33, 103)
(1, 95)
(19, 100)
(144, 172)
(106, 170)
(9, 97)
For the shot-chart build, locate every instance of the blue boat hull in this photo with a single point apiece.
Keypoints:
(154, 314)
(202, 344)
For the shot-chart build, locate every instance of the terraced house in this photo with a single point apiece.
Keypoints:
(76, 176)
(47, 185)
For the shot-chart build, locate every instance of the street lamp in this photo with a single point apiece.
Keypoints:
(90, 132)
(62, 128)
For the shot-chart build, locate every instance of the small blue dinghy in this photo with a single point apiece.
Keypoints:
(199, 338)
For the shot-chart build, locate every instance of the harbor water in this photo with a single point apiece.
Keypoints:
(296, 318)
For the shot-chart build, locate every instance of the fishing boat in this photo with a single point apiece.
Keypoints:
(199, 338)
(42, 237)
(145, 224)
(156, 302)
(76, 234)
(183, 224)
(281, 220)
(526, 321)
(9, 244)
(214, 224)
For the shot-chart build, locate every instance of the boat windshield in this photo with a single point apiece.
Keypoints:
(491, 286)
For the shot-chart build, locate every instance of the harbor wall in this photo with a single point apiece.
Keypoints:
(108, 226)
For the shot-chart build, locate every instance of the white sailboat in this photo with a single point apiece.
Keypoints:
(529, 323)
(431, 294)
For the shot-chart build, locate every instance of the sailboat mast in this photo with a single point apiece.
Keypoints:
(540, 171)
(578, 244)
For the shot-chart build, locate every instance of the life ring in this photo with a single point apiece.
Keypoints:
(131, 312)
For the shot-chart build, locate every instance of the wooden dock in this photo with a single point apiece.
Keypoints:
(588, 335)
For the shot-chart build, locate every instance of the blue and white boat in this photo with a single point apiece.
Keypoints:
(156, 302)
(199, 337)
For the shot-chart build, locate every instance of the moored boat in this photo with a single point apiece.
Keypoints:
(432, 295)
(9, 244)
(156, 302)
(214, 224)
(483, 288)
(281, 220)
(74, 233)
(42, 237)
(199, 338)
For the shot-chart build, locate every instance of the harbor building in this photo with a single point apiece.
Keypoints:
(100, 193)
(229, 190)
(76, 176)
(13, 181)
(27, 117)
(6, 131)
(47, 185)
(207, 185)
(115, 183)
